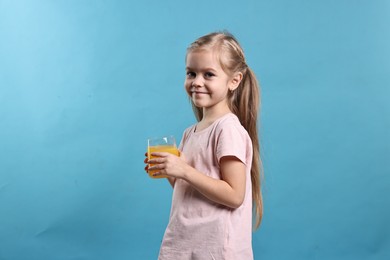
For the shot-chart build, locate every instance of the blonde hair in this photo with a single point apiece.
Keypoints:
(244, 101)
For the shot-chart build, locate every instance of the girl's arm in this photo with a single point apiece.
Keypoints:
(229, 191)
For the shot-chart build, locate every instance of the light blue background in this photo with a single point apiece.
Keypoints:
(83, 84)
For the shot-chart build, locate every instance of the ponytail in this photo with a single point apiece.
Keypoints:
(245, 102)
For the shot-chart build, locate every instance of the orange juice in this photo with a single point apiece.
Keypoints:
(160, 148)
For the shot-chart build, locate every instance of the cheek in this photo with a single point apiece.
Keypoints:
(187, 87)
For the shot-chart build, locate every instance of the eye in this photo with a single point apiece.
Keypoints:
(191, 74)
(209, 74)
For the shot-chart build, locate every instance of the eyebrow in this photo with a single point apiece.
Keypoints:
(206, 69)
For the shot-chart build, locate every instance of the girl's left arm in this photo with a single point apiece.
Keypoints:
(228, 191)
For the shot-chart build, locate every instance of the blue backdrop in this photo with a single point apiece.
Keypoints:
(83, 84)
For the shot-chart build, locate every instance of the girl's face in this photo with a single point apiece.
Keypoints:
(206, 82)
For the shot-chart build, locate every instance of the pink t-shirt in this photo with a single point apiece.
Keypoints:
(198, 227)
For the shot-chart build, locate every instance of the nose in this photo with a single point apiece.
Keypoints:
(197, 82)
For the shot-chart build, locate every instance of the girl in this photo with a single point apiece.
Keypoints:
(216, 179)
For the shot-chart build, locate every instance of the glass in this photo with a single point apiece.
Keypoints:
(161, 144)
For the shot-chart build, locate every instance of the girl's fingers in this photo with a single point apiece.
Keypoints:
(160, 154)
(158, 173)
(156, 167)
(156, 160)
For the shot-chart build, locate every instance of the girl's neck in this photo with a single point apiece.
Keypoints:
(215, 112)
(209, 117)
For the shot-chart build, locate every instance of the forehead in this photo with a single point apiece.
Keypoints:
(202, 58)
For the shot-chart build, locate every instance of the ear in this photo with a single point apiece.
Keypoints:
(235, 81)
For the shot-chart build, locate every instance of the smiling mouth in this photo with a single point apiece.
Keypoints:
(198, 92)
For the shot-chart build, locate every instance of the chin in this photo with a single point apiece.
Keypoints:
(198, 104)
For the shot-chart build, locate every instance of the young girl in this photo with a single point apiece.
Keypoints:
(216, 179)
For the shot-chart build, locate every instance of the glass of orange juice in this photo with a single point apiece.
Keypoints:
(161, 144)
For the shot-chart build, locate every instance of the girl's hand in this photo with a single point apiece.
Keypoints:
(168, 164)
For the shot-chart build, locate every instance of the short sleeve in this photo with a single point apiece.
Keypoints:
(233, 140)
